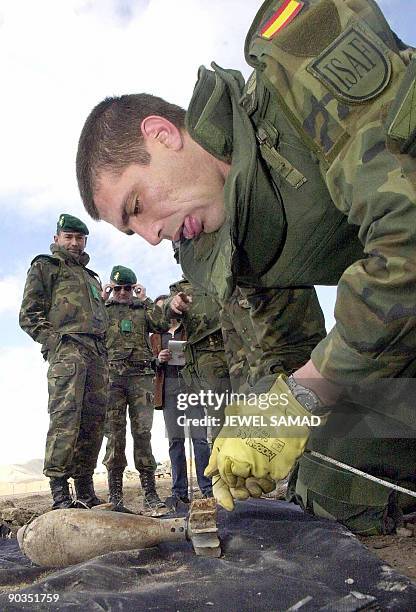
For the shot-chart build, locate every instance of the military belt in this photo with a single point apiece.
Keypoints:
(139, 366)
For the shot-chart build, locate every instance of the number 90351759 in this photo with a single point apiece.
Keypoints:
(33, 597)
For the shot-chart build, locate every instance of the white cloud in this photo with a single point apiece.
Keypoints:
(11, 290)
(24, 395)
(60, 58)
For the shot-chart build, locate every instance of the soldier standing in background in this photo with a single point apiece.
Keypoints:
(206, 366)
(63, 309)
(131, 318)
(169, 387)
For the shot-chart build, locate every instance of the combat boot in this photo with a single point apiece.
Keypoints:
(152, 500)
(115, 489)
(60, 493)
(84, 488)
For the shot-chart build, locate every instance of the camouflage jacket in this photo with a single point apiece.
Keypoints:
(242, 349)
(313, 174)
(62, 297)
(201, 322)
(129, 328)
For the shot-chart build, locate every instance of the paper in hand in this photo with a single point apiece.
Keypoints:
(177, 348)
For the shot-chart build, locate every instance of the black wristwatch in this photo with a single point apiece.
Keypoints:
(306, 397)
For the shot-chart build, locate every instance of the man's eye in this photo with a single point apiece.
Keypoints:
(136, 208)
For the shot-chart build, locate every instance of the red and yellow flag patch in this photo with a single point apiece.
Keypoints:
(281, 18)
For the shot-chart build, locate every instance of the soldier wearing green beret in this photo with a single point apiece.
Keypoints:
(308, 178)
(63, 309)
(131, 318)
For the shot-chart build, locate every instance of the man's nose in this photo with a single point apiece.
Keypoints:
(151, 232)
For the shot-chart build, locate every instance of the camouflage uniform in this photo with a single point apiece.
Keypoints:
(322, 147)
(257, 339)
(206, 366)
(131, 381)
(242, 349)
(63, 309)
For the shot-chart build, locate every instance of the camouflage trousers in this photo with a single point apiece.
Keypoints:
(373, 442)
(136, 392)
(77, 385)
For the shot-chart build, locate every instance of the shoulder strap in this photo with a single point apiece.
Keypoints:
(329, 67)
(44, 256)
(92, 273)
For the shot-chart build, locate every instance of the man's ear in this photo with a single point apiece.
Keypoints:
(55, 238)
(158, 128)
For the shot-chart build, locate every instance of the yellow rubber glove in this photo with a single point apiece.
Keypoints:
(267, 443)
(243, 489)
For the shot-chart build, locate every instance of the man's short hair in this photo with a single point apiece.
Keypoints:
(111, 139)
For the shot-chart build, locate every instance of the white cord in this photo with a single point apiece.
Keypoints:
(354, 470)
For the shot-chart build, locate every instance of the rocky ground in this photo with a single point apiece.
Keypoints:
(398, 550)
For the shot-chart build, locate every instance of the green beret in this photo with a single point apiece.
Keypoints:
(68, 223)
(123, 276)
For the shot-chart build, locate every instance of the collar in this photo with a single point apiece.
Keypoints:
(209, 118)
(235, 254)
(65, 255)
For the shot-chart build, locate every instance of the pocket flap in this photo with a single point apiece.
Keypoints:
(61, 369)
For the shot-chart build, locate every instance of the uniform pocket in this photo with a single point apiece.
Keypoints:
(61, 386)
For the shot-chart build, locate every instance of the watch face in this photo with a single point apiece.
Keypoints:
(307, 400)
(305, 397)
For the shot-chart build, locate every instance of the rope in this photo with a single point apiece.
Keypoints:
(354, 470)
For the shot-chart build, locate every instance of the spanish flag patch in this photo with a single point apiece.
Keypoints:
(281, 18)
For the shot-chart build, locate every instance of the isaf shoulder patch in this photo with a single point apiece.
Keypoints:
(281, 18)
(355, 67)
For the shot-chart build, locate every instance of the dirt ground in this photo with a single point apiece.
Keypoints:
(399, 551)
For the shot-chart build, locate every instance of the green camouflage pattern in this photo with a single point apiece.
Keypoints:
(131, 380)
(62, 298)
(77, 386)
(367, 177)
(373, 185)
(324, 144)
(129, 326)
(257, 338)
(242, 350)
(288, 324)
(202, 318)
(62, 308)
(365, 507)
(136, 392)
(204, 350)
(206, 365)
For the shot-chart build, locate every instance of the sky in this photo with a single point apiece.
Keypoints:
(59, 59)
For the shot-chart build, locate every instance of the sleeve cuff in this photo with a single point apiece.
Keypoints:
(341, 364)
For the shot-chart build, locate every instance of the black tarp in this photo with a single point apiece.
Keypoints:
(274, 556)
